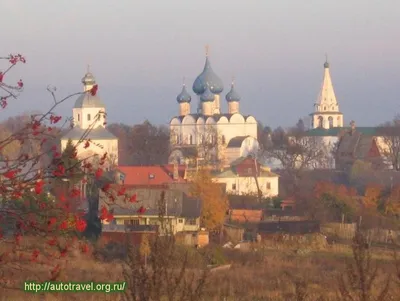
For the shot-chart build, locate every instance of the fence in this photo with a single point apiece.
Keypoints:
(347, 231)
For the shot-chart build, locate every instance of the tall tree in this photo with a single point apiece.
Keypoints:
(389, 142)
(214, 200)
(296, 152)
(142, 144)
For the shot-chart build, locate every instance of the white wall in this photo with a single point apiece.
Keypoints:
(83, 121)
(108, 146)
(247, 185)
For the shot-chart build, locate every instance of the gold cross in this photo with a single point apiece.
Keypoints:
(207, 49)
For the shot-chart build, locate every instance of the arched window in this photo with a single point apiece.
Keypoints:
(330, 120)
(88, 117)
(223, 139)
(190, 139)
(324, 108)
(320, 122)
(79, 117)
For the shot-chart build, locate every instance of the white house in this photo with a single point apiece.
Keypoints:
(240, 178)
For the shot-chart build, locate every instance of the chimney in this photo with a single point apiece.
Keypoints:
(176, 172)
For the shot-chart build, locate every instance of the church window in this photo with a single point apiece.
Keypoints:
(320, 122)
(268, 185)
(324, 108)
(223, 139)
(79, 117)
(330, 119)
(88, 117)
(190, 139)
(233, 186)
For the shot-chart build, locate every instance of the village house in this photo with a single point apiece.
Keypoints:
(242, 176)
(179, 212)
(353, 146)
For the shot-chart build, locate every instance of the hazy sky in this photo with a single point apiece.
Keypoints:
(139, 51)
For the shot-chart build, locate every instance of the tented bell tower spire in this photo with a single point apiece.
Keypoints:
(326, 109)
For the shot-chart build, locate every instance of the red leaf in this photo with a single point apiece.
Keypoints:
(60, 171)
(52, 242)
(132, 199)
(51, 221)
(141, 210)
(64, 225)
(87, 144)
(94, 89)
(39, 187)
(122, 191)
(35, 255)
(99, 173)
(3, 103)
(80, 225)
(11, 173)
(106, 187)
(75, 192)
(1, 77)
(54, 119)
(85, 248)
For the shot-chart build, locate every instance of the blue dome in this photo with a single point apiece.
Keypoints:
(232, 95)
(208, 77)
(207, 95)
(184, 96)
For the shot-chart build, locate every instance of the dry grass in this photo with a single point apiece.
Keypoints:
(266, 272)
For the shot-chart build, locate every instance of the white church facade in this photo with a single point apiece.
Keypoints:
(226, 136)
(89, 120)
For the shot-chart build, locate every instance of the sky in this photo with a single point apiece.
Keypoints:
(139, 52)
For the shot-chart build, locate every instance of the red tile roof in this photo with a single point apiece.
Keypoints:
(151, 175)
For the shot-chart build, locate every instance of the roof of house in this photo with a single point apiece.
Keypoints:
(151, 175)
(246, 215)
(177, 203)
(99, 133)
(356, 143)
(128, 228)
(292, 227)
(229, 173)
(336, 131)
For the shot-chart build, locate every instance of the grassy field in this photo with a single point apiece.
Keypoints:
(265, 271)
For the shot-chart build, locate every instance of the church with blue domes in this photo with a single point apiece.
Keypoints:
(204, 131)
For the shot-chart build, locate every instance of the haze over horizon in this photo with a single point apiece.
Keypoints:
(139, 51)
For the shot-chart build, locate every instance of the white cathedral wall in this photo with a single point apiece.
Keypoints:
(83, 121)
(100, 147)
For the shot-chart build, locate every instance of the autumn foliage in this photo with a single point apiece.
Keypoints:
(41, 199)
(215, 202)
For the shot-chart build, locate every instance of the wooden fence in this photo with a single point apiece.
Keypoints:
(347, 231)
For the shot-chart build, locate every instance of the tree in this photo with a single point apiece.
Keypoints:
(297, 152)
(31, 213)
(214, 200)
(165, 273)
(141, 144)
(372, 196)
(392, 203)
(10, 148)
(389, 142)
(359, 282)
